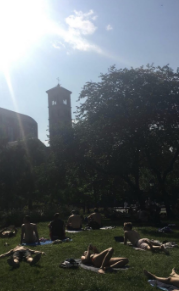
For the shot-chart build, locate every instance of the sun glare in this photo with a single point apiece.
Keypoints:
(22, 23)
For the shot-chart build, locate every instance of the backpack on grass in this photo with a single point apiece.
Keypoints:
(69, 263)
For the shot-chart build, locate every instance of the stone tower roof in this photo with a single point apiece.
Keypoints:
(58, 88)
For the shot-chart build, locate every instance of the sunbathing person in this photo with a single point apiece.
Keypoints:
(57, 228)
(173, 278)
(142, 243)
(94, 219)
(8, 232)
(102, 260)
(74, 221)
(19, 253)
(29, 233)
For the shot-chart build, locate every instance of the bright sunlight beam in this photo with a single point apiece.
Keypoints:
(22, 23)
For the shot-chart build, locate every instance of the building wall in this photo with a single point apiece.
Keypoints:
(15, 126)
(59, 104)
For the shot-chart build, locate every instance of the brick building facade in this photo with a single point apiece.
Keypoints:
(15, 126)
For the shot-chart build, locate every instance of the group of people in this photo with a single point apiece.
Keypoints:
(102, 260)
(74, 223)
(29, 233)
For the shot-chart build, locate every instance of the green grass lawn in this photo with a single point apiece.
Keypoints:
(47, 275)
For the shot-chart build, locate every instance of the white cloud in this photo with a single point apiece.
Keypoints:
(58, 45)
(109, 27)
(80, 26)
(81, 23)
(94, 17)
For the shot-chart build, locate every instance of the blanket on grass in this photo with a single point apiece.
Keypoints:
(162, 286)
(73, 231)
(47, 242)
(89, 228)
(94, 269)
(107, 227)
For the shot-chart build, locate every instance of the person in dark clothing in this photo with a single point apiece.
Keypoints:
(57, 228)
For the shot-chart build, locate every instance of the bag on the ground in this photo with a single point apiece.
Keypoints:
(69, 263)
(94, 225)
(165, 229)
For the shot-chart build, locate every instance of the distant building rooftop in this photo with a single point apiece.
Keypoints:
(10, 113)
(58, 87)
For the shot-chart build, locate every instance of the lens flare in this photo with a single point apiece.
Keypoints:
(22, 23)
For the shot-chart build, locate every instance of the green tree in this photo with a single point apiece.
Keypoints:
(129, 120)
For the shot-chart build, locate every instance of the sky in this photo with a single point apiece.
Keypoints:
(75, 41)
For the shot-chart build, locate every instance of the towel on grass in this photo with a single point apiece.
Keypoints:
(95, 269)
(47, 242)
(74, 231)
(107, 227)
(162, 286)
(131, 245)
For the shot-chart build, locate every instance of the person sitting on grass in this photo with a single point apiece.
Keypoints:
(19, 253)
(142, 243)
(94, 219)
(102, 260)
(29, 233)
(173, 278)
(74, 221)
(57, 228)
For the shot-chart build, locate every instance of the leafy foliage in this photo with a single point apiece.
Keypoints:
(126, 134)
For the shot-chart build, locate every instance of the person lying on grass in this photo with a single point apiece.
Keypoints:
(102, 260)
(19, 253)
(142, 243)
(173, 278)
(8, 232)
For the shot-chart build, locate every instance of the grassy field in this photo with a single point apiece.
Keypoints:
(47, 275)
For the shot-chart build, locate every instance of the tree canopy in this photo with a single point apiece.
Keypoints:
(130, 119)
(126, 134)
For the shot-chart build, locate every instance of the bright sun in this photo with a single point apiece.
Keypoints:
(22, 23)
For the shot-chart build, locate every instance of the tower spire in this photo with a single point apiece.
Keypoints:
(58, 81)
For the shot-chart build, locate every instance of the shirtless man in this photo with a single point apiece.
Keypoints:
(173, 278)
(102, 260)
(142, 243)
(19, 253)
(95, 217)
(29, 233)
(74, 221)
